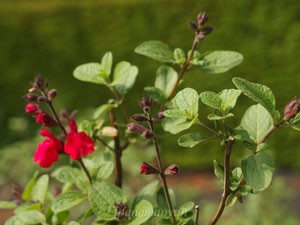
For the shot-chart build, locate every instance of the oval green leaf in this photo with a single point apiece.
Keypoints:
(66, 201)
(191, 139)
(90, 72)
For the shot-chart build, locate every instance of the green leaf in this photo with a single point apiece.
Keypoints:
(60, 217)
(147, 193)
(176, 125)
(156, 94)
(28, 206)
(66, 174)
(31, 217)
(73, 223)
(102, 198)
(220, 61)
(262, 147)
(217, 117)
(156, 50)
(124, 77)
(179, 56)
(235, 178)
(8, 205)
(176, 113)
(231, 199)
(166, 78)
(258, 170)
(40, 189)
(296, 122)
(90, 72)
(257, 92)
(161, 198)
(257, 122)
(142, 212)
(106, 63)
(102, 109)
(245, 190)
(229, 98)
(187, 100)
(14, 221)
(191, 139)
(211, 99)
(105, 170)
(218, 170)
(66, 201)
(185, 208)
(26, 196)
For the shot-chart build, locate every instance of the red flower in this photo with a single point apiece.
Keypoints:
(31, 108)
(172, 170)
(78, 144)
(45, 119)
(47, 151)
(146, 169)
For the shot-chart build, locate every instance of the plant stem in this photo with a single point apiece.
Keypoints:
(162, 176)
(117, 150)
(104, 143)
(226, 190)
(208, 128)
(185, 67)
(85, 170)
(197, 214)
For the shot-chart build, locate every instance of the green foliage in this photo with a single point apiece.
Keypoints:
(7, 205)
(28, 218)
(257, 122)
(258, 170)
(103, 197)
(166, 78)
(156, 50)
(220, 61)
(66, 201)
(39, 190)
(142, 212)
(191, 139)
(257, 92)
(26, 196)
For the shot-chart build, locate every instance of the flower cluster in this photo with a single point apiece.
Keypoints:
(199, 28)
(76, 145)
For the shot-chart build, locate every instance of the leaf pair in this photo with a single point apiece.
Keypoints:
(123, 77)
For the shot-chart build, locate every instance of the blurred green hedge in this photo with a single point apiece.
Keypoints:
(53, 37)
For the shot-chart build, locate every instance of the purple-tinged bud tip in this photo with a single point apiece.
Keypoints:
(202, 18)
(292, 108)
(147, 169)
(158, 116)
(136, 128)
(30, 97)
(51, 94)
(192, 25)
(172, 170)
(139, 117)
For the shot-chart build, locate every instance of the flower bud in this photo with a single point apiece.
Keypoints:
(40, 83)
(30, 97)
(146, 102)
(46, 120)
(136, 128)
(292, 109)
(31, 108)
(122, 211)
(51, 94)
(207, 30)
(139, 117)
(158, 116)
(200, 37)
(56, 191)
(192, 25)
(16, 191)
(148, 169)
(202, 18)
(147, 134)
(41, 99)
(172, 170)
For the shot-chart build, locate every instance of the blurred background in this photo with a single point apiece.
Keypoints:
(52, 37)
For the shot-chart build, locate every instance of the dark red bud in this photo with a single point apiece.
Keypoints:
(51, 94)
(207, 30)
(158, 116)
(30, 97)
(122, 211)
(292, 109)
(40, 83)
(139, 117)
(147, 134)
(46, 120)
(41, 99)
(57, 191)
(172, 170)
(192, 25)
(148, 169)
(136, 128)
(31, 108)
(146, 102)
(202, 18)
(16, 191)
(64, 113)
